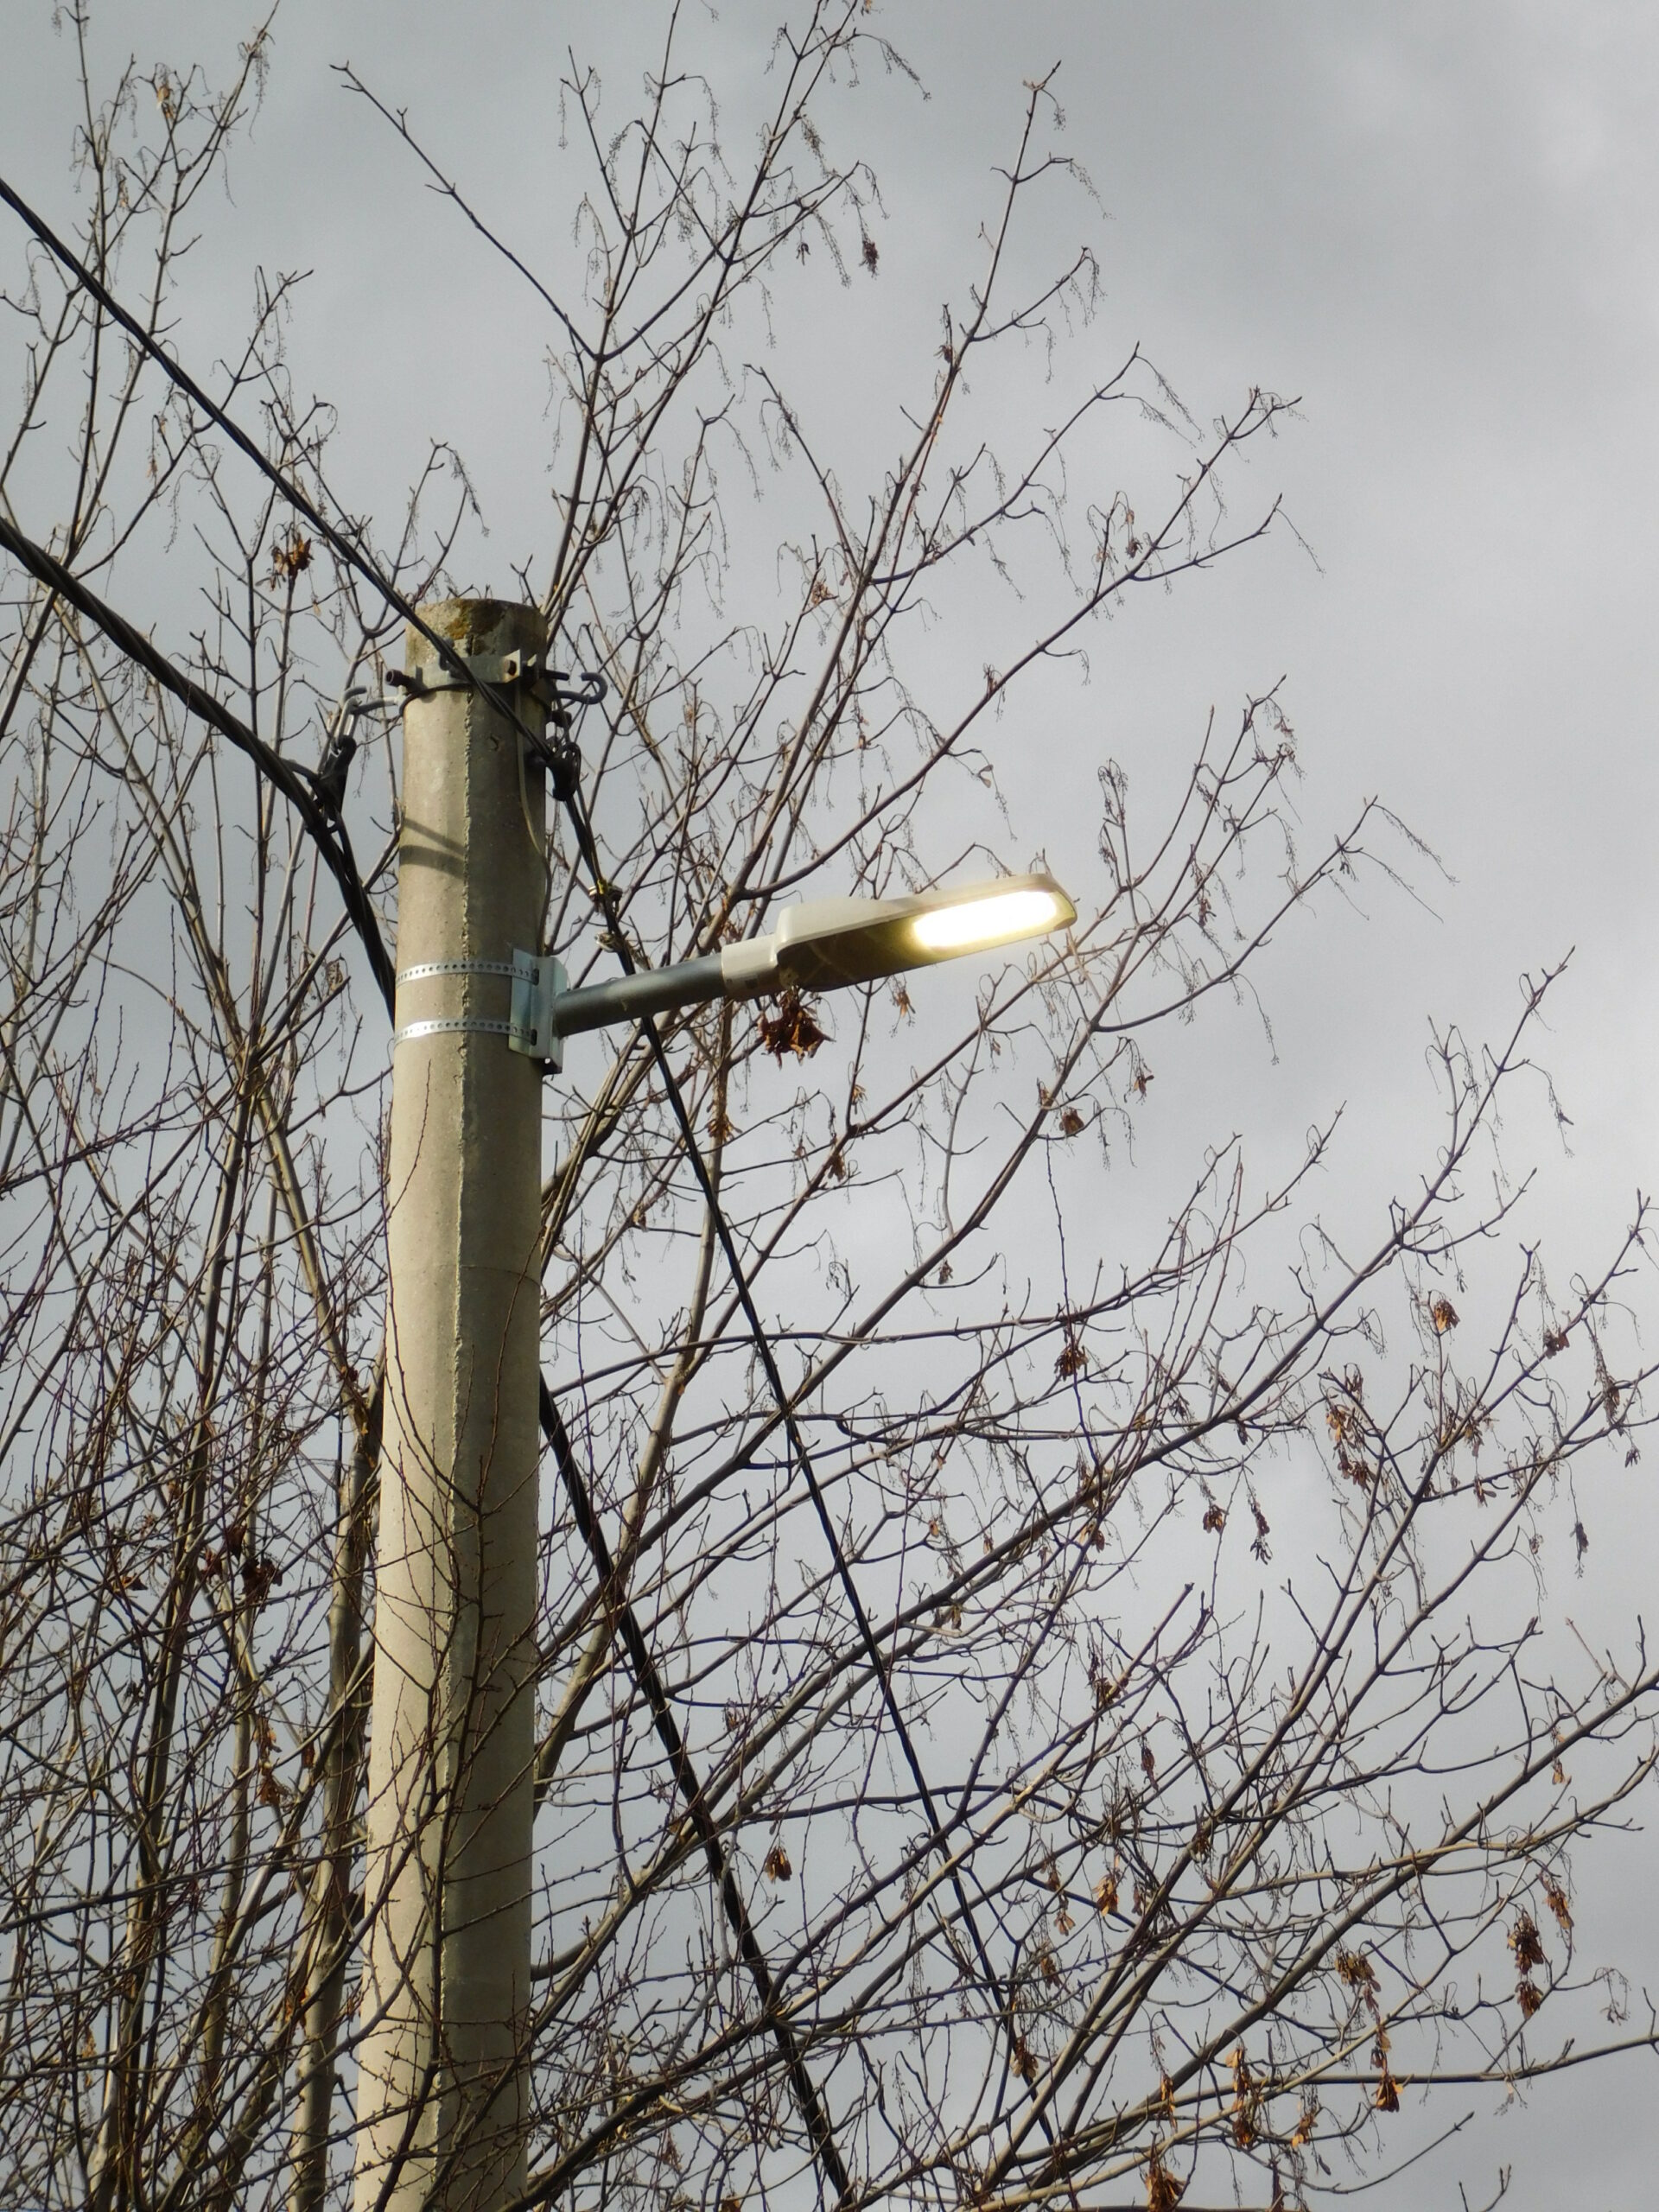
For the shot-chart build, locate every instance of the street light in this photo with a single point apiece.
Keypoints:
(822, 945)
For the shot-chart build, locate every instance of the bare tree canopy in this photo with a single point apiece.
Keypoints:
(1031, 1707)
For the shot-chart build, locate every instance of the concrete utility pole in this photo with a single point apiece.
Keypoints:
(444, 2062)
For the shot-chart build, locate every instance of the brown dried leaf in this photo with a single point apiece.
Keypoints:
(1244, 2099)
(1443, 1314)
(1259, 1547)
(1164, 2192)
(289, 558)
(776, 1864)
(1526, 1944)
(792, 1029)
(1555, 1898)
(1354, 1968)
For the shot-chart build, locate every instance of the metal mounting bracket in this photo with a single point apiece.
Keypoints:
(554, 689)
(487, 668)
(538, 980)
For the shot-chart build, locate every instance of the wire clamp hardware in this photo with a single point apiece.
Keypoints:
(558, 695)
(503, 669)
(556, 690)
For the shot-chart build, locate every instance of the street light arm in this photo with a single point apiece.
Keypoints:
(826, 944)
(631, 998)
(739, 971)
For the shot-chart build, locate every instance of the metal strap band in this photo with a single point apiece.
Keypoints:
(537, 979)
(448, 1022)
(444, 1022)
(455, 968)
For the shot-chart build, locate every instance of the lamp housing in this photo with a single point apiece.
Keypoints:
(826, 944)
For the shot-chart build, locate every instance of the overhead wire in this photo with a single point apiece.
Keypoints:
(361, 562)
(690, 1784)
(329, 835)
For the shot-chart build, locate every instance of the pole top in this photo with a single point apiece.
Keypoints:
(475, 627)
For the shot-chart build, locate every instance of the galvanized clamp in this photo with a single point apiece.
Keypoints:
(557, 691)
(484, 667)
(538, 980)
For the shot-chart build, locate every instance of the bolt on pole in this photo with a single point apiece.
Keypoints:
(442, 2094)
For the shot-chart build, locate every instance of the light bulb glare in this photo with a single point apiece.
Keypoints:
(973, 923)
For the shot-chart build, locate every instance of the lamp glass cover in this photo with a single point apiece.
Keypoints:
(998, 919)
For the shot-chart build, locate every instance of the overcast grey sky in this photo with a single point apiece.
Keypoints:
(1437, 224)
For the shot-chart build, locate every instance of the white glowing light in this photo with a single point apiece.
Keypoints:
(997, 920)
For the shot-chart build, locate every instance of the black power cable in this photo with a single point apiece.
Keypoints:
(187, 383)
(650, 1685)
(296, 785)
